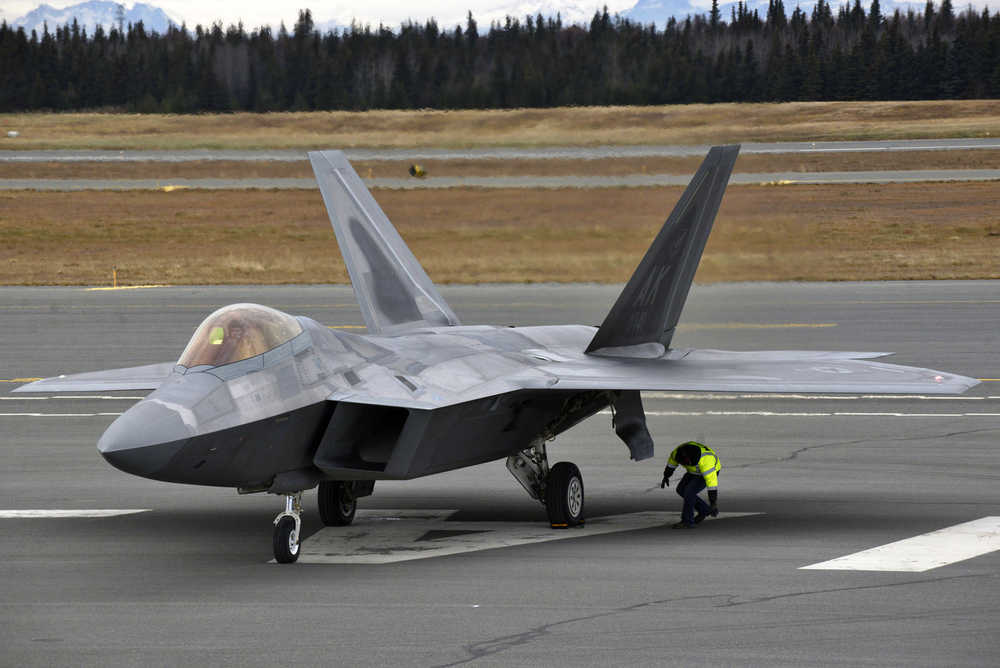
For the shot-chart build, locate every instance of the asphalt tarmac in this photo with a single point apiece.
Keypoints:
(543, 182)
(512, 153)
(189, 581)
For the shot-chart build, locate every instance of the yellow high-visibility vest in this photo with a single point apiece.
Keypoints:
(708, 465)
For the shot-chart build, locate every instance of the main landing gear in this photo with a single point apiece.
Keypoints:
(559, 488)
(338, 502)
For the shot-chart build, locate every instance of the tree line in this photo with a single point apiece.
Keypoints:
(843, 54)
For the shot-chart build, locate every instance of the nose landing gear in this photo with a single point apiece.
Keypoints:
(287, 530)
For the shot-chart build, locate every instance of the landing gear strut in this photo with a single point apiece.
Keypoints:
(288, 529)
(559, 488)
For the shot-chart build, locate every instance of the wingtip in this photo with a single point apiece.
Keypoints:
(33, 386)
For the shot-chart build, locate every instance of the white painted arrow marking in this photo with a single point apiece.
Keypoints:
(924, 552)
(386, 536)
(32, 513)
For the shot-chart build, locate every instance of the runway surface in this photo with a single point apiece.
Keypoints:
(188, 580)
(543, 182)
(558, 152)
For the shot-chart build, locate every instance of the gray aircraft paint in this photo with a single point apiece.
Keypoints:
(420, 393)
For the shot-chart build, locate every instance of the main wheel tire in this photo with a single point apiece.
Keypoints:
(286, 541)
(337, 503)
(564, 496)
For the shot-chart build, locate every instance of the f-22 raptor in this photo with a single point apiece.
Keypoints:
(264, 401)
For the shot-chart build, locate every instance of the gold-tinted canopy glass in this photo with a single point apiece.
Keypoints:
(238, 332)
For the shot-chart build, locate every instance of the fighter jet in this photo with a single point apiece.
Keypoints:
(264, 401)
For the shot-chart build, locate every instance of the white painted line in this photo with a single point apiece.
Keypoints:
(716, 396)
(71, 396)
(387, 536)
(924, 552)
(60, 514)
(862, 414)
(803, 414)
(58, 414)
(686, 396)
(648, 414)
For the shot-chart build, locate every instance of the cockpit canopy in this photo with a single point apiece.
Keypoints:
(238, 332)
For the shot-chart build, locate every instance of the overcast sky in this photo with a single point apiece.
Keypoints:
(391, 12)
(254, 13)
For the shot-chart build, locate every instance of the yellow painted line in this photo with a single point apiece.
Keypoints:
(346, 327)
(988, 380)
(917, 302)
(170, 189)
(19, 380)
(128, 287)
(755, 325)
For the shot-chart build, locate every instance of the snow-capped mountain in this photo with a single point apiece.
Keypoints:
(660, 11)
(569, 12)
(93, 13)
(485, 13)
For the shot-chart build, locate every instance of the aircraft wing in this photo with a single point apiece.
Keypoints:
(752, 371)
(148, 377)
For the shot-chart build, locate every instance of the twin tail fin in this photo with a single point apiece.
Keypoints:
(643, 320)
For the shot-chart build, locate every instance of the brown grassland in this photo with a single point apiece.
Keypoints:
(850, 232)
(754, 163)
(679, 124)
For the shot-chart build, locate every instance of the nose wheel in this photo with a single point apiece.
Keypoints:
(288, 530)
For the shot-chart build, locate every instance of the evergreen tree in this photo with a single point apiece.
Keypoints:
(536, 62)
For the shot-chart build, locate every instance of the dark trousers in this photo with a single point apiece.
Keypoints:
(688, 489)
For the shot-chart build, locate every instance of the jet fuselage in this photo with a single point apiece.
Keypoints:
(246, 423)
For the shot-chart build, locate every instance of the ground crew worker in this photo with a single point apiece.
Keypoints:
(703, 467)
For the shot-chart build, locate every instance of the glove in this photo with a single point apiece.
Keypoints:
(667, 472)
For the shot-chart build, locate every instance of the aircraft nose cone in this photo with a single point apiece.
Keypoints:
(144, 439)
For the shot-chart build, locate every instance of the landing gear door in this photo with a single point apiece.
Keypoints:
(630, 424)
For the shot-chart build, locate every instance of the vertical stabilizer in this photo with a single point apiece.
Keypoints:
(391, 287)
(650, 305)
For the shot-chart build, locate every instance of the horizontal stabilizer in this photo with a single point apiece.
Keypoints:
(650, 305)
(393, 290)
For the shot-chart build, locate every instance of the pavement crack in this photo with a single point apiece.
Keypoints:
(896, 439)
(479, 650)
(796, 453)
(500, 644)
(766, 599)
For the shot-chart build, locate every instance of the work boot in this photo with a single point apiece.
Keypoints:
(699, 518)
(682, 525)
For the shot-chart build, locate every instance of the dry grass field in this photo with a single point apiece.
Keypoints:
(852, 232)
(680, 124)
(755, 163)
